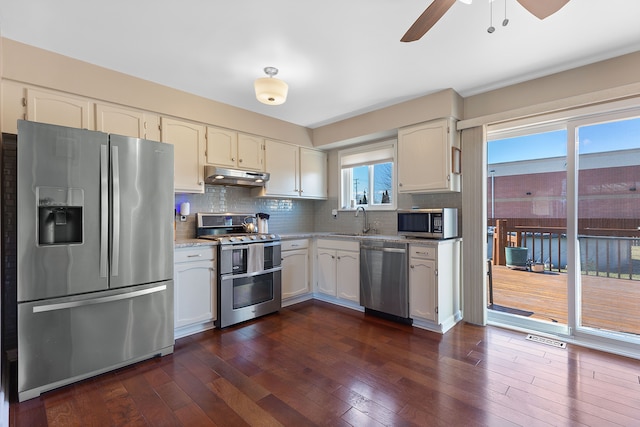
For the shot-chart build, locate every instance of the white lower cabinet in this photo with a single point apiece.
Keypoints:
(295, 271)
(195, 284)
(434, 284)
(338, 271)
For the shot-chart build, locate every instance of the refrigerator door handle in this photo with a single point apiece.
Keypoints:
(99, 300)
(104, 209)
(115, 244)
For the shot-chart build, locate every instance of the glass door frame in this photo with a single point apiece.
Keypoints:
(572, 332)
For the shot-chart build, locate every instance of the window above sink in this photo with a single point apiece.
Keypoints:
(368, 176)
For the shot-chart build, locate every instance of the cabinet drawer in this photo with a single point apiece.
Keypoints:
(201, 253)
(425, 252)
(345, 245)
(289, 245)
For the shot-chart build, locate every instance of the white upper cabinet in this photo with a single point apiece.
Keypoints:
(127, 122)
(59, 109)
(282, 165)
(118, 120)
(222, 147)
(250, 152)
(313, 174)
(188, 140)
(429, 157)
(232, 149)
(294, 171)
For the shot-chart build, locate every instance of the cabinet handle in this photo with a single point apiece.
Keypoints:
(194, 256)
(400, 185)
(233, 159)
(294, 246)
(412, 266)
(421, 253)
(333, 257)
(239, 160)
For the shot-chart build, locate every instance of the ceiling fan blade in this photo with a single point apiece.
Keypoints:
(543, 9)
(429, 17)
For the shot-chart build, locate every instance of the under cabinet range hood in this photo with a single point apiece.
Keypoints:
(215, 175)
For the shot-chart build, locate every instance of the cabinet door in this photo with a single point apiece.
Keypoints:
(118, 120)
(422, 289)
(195, 293)
(250, 152)
(295, 273)
(281, 162)
(58, 109)
(151, 126)
(348, 275)
(188, 139)
(424, 157)
(327, 271)
(222, 147)
(313, 174)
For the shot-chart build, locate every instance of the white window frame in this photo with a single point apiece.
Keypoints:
(370, 154)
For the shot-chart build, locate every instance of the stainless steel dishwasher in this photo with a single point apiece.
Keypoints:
(384, 286)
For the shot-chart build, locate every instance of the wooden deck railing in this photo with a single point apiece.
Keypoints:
(606, 252)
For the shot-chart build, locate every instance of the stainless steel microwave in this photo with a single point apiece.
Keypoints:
(441, 223)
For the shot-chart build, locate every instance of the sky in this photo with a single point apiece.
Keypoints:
(596, 138)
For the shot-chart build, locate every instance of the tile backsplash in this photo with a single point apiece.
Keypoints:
(296, 216)
(286, 215)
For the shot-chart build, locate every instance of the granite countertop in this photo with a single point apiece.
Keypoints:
(186, 243)
(360, 237)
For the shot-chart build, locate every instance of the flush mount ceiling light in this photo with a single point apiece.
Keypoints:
(269, 90)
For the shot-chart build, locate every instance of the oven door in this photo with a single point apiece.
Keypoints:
(246, 296)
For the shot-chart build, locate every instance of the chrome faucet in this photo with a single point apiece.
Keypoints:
(365, 226)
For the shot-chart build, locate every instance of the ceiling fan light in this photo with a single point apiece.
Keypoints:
(269, 90)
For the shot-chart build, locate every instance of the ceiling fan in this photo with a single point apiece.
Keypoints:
(437, 9)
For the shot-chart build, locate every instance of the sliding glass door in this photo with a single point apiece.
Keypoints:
(566, 195)
(608, 210)
(527, 212)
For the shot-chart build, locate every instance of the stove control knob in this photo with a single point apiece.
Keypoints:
(272, 236)
(232, 239)
(263, 237)
(252, 237)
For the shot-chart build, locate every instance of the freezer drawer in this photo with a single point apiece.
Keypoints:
(63, 340)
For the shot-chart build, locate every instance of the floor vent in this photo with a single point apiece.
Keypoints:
(547, 341)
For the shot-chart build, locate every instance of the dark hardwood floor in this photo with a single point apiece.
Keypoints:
(317, 364)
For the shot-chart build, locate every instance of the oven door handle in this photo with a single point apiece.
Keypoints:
(256, 273)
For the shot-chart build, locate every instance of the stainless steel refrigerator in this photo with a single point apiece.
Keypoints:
(95, 254)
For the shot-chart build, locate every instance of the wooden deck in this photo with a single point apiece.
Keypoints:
(612, 304)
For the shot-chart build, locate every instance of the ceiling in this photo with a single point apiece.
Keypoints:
(340, 58)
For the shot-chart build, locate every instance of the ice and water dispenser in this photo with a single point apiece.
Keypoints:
(60, 215)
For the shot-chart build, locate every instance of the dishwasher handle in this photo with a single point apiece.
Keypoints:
(380, 249)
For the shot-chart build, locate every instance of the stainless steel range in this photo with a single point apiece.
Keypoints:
(249, 270)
